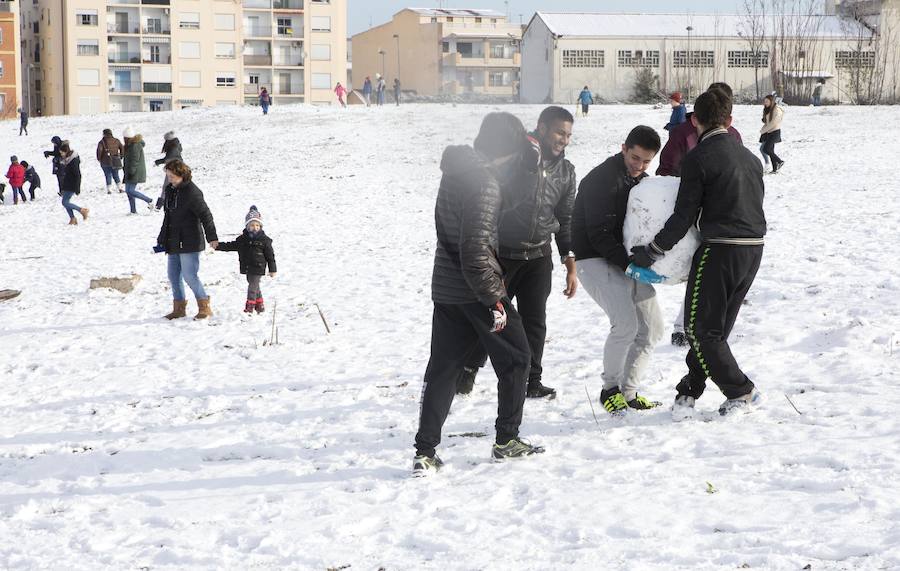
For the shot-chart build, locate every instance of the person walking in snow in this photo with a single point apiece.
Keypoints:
(32, 178)
(770, 133)
(397, 91)
(367, 91)
(56, 162)
(340, 91)
(721, 191)
(679, 111)
(70, 181)
(635, 319)
(255, 252)
(817, 93)
(16, 176)
(380, 87)
(23, 122)
(264, 100)
(135, 171)
(109, 155)
(471, 303)
(186, 222)
(535, 209)
(172, 150)
(586, 98)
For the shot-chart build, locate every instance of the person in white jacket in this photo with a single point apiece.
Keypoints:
(770, 134)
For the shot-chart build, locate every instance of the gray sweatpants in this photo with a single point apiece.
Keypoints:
(635, 319)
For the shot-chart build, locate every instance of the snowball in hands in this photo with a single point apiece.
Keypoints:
(649, 206)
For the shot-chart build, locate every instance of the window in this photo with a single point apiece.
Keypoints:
(225, 79)
(449, 19)
(320, 52)
(801, 54)
(190, 78)
(224, 50)
(86, 17)
(189, 21)
(285, 26)
(477, 20)
(88, 105)
(434, 20)
(699, 58)
(502, 50)
(737, 58)
(321, 81)
(638, 58)
(155, 55)
(88, 77)
(189, 50)
(2, 70)
(445, 47)
(583, 58)
(321, 23)
(224, 21)
(500, 78)
(854, 59)
(88, 47)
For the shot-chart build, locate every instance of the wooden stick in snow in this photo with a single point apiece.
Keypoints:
(322, 315)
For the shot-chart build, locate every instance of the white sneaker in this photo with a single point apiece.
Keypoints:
(744, 403)
(683, 408)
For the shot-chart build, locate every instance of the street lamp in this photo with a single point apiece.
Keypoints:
(690, 61)
(397, 37)
(381, 52)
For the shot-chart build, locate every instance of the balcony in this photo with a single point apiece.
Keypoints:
(287, 5)
(259, 31)
(251, 89)
(289, 32)
(123, 57)
(155, 2)
(257, 4)
(125, 87)
(121, 28)
(257, 60)
(158, 30)
(157, 87)
(289, 61)
(162, 59)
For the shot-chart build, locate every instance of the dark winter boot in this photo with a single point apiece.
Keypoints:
(466, 381)
(178, 307)
(613, 401)
(203, 309)
(248, 307)
(31, 192)
(536, 390)
(260, 306)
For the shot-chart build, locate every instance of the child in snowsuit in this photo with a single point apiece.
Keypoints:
(255, 252)
(16, 176)
(32, 178)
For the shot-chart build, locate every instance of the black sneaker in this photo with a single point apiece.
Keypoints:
(466, 381)
(613, 401)
(425, 465)
(679, 339)
(515, 448)
(536, 390)
(643, 403)
(777, 166)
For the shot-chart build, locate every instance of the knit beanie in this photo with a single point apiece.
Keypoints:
(14, 159)
(129, 132)
(169, 136)
(253, 216)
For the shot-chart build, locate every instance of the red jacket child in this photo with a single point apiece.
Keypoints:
(16, 174)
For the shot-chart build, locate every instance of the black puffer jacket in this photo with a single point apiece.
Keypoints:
(31, 176)
(535, 207)
(466, 269)
(186, 221)
(70, 173)
(600, 212)
(172, 150)
(722, 184)
(254, 253)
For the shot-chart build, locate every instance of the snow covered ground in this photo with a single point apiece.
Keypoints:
(129, 442)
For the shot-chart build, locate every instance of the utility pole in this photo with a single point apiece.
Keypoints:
(397, 37)
(690, 61)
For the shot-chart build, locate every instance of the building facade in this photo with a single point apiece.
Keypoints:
(442, 52)
(10, 61)
(93, 56)
(563, 52)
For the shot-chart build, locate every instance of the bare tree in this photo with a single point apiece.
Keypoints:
(753, 29)
(797, 48)
(871, 55)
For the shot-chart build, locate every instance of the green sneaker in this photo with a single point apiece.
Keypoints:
(515, 448)
(425, 465)
(613, 401)
(642, 403)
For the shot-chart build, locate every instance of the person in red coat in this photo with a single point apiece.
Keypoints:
(16, 176)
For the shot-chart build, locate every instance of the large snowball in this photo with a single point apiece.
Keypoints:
(649, 206)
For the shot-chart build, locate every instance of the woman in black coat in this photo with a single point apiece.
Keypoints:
(187, 221)
(70, 181)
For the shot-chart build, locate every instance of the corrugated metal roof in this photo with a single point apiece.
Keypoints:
(461, 12)
(586, 24)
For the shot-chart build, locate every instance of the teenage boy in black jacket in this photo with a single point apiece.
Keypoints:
(635, 319)
(722, 191)
(471, 305)
(535, 208)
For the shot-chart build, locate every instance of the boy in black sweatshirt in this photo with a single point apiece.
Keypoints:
(255, 251)
(722, 191)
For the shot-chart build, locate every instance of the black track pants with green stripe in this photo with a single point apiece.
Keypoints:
(721, 276)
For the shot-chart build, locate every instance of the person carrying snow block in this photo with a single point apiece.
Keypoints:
(635, 318)
(16, 176)
(255, 252)
(721, 190)
(471, 303)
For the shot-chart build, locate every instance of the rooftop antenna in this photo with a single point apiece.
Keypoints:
(506, 2)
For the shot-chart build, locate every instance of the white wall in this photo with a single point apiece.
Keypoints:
(536, 84)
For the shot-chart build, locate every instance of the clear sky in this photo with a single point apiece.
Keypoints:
(366, 13)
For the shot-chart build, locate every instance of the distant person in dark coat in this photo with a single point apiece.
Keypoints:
(109, 155)
(264, 100)
(679, 111)
(23, 122)
(367, 91)
(32, 178)
(70, 181)
(57, 161)
(135, 171)
(172, 150)
(397, 91)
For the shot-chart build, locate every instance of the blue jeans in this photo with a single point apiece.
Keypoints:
(131, 191)
(185, 266)
(761, 152)
(111, 174)
(265, 108)
(67, 203)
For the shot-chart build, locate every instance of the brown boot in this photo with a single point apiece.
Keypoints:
(178, 309)
(73, 222)
(84, 212)
(203, 309)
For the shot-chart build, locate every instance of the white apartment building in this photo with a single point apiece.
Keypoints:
(91, 56)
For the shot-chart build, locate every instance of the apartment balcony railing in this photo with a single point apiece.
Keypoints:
(162, 59)
(287, 90)
(251, 89)
(157, 87)
(257, 60)
(129, 28)
(162, 30)
(123, 57)
(125, 87)
(155, 2)
(258, 31)
(289, 61)
(287, 4)
(257, 4)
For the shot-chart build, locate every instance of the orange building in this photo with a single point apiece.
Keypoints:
(10, 76)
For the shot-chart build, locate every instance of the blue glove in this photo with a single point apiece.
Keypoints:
(645, 275)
